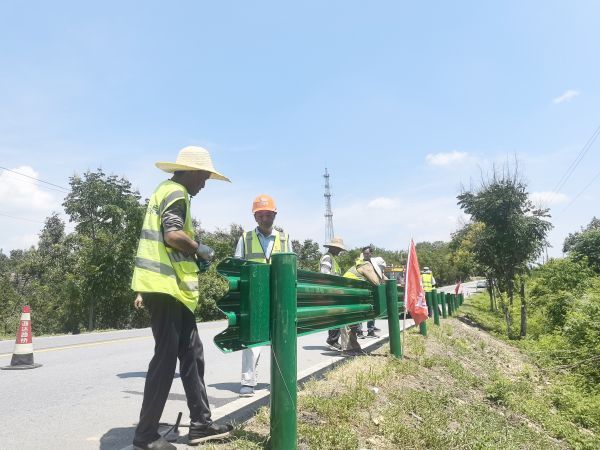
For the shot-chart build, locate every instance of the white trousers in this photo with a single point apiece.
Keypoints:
(250, 357)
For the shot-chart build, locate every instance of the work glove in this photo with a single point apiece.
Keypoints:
(204, 256)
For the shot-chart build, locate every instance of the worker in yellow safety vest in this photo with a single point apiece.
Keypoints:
(328, 264)
(365, 268)
(258, 245)
(427, 279)
(166, 279)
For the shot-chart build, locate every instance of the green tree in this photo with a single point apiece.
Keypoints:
(108, 218)
(552, 289)
(572, 238)
(222, 241)
(308, 254)
(513, 234)
(585, 244)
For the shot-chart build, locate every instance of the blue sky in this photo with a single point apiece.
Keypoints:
(404, 103)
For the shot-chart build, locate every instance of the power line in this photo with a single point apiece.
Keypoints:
(20, 218)
(40, 186)
(36, 179)
(580, 192)
(576, 162)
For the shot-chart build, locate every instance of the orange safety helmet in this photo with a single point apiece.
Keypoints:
(263, 203)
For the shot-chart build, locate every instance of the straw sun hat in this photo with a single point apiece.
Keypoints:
(336, 242)
(192, 158)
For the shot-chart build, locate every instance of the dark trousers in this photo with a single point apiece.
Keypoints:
(370, 325)
(175, 336)
(334, 336)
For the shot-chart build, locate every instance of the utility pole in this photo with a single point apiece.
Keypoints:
(328, 212)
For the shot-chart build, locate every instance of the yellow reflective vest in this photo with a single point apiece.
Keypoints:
(253, 250)
(426, 278)
(335, 268)
(159, 268)
(353, 272)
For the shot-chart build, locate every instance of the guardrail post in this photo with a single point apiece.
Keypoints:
(393, 319)
(450, 305)
(461, 298)
(434, 304)
(283, 349)
(455, 302)
(423, 325)
(428, 302)
(444, 305)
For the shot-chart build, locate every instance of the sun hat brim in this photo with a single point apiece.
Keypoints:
(173, 167)
(336, 246)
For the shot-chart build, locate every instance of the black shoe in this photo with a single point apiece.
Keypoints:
(372, 334)
(201, 433)
(160, 444)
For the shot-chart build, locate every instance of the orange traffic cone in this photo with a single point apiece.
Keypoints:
(22, 357)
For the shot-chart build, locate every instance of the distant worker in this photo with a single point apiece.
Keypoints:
(166, 280)
(258, 245)
(379, 266)
(354, 272)
(329, 265)
(364, 270)
(427, 279)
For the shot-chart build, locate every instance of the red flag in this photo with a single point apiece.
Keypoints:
(414, 295)
(458, 287)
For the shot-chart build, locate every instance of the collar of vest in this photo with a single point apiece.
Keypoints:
(274, 232)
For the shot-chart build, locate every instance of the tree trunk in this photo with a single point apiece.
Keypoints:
(490, 288)
(511, 290)
(507, 317)
(523, 310)
(91, 314)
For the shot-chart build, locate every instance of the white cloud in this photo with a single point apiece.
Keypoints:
(445, 159)
(567, 96)
(27, 204)
(392, 226)
(546, 198)
(382, 203)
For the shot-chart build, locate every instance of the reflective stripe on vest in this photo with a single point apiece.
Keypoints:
(253, 250)
(159, 268)
(426, 279)
(335, 269)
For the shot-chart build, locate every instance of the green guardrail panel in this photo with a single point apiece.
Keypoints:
(324, 302)
(254, 315)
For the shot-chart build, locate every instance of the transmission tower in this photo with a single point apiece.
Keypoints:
(328, 212)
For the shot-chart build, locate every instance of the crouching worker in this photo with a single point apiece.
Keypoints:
(365, 269)
(166, 275)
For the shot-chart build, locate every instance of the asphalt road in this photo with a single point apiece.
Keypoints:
(88, 393)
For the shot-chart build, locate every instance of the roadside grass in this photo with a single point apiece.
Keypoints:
(458, 388)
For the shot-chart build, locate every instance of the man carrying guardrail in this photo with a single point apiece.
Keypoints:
(329, 265)
(258, 245)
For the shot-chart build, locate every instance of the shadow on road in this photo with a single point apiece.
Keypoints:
(117, 438)
(180, 397)
(138, 375)
(235, 387)
(325, 350)
(122, 438)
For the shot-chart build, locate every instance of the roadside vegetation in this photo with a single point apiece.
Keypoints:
(458, 388)
(79, 281)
